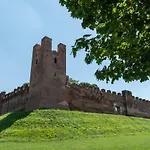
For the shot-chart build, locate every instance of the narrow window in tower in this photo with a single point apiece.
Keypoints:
(55, 74)
(55, 60)
(36, 61)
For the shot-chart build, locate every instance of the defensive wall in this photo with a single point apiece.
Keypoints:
(90, 99)
(83, 98)
(15, 100)
(50, 88)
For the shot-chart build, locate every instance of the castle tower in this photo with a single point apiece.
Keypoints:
(48, 77)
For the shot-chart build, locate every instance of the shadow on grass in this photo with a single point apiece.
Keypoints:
(11, 118)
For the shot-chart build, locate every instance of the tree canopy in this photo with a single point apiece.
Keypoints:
(72, 81)
(122, 37)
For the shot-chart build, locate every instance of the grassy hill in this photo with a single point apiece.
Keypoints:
(54, 125)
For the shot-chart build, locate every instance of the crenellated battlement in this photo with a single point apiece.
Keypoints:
(14, 100)
(46, 45)
(107, 101)
(103, 91)
(16, 91)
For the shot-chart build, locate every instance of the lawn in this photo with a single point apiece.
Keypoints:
(57, 129)
(103, 143)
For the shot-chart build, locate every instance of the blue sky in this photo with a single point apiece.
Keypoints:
(24, 23)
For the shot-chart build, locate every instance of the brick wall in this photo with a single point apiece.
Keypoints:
(14, 101)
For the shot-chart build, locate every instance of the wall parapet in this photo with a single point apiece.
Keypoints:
(17, 91)
(124, 102)
(15, 100)
(103, 91)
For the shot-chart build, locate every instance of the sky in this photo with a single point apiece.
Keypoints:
(24, 23)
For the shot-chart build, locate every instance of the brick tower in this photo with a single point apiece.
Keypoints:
(48, 77)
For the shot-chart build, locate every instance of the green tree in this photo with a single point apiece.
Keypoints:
(72, 81)
(122, 37)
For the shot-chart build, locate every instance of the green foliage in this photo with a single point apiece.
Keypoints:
(49, 125)
(88, 84)
(26, 84)
(72, 81)
(122, 38)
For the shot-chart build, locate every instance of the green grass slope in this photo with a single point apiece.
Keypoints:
(45, 125)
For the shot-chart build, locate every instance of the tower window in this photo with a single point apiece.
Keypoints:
(36, 61)
(55, 60)
(55, 74)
